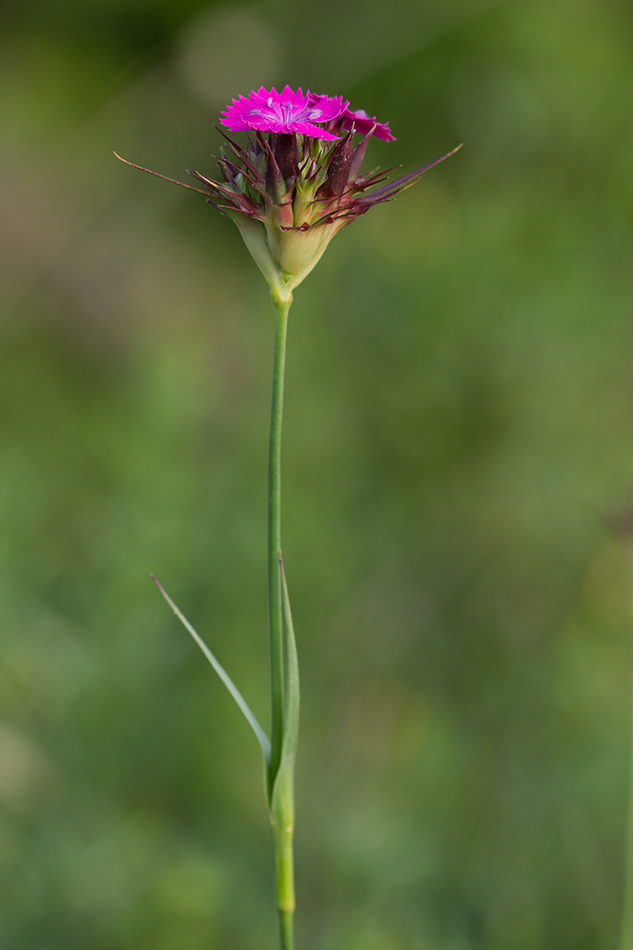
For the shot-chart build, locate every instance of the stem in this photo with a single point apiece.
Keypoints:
(283, 827)
(275, 602)
(282, 809)
(284, 670)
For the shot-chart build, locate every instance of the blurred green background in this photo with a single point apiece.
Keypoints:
(457, 455)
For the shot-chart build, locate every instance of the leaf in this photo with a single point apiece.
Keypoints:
(248, 713)
(283, 782)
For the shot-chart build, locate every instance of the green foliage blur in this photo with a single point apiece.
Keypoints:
(457, 476)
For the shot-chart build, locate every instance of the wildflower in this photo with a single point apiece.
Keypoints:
(285, 112)
(298, 181)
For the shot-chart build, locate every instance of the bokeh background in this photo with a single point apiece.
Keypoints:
(457, 476)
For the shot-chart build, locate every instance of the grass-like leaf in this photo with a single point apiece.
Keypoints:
(292, 696)
(283, 781)
(248, 713)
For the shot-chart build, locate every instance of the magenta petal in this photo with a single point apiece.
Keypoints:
(364, 124)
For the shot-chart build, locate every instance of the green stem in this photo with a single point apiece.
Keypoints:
(284, 681)
(275, 601)
(282, 809)
(283, 827)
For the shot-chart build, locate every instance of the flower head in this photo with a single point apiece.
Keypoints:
(298, 181)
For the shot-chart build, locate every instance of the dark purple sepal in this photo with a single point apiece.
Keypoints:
(275, 183)
(359, 158)
(338, 171)
(287, 155)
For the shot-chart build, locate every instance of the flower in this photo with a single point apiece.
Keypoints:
(283, 112)
(297, 182)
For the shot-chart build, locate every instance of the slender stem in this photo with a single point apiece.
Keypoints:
(280, 786)
(283, 828)
(275, 601)
(282, 809)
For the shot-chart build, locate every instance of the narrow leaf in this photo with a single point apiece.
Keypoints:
(283, 783)
(249, 715)
(291, 710)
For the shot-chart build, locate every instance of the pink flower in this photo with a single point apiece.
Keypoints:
(283, 112)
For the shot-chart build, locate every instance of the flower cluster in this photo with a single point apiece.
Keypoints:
(298, 180)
